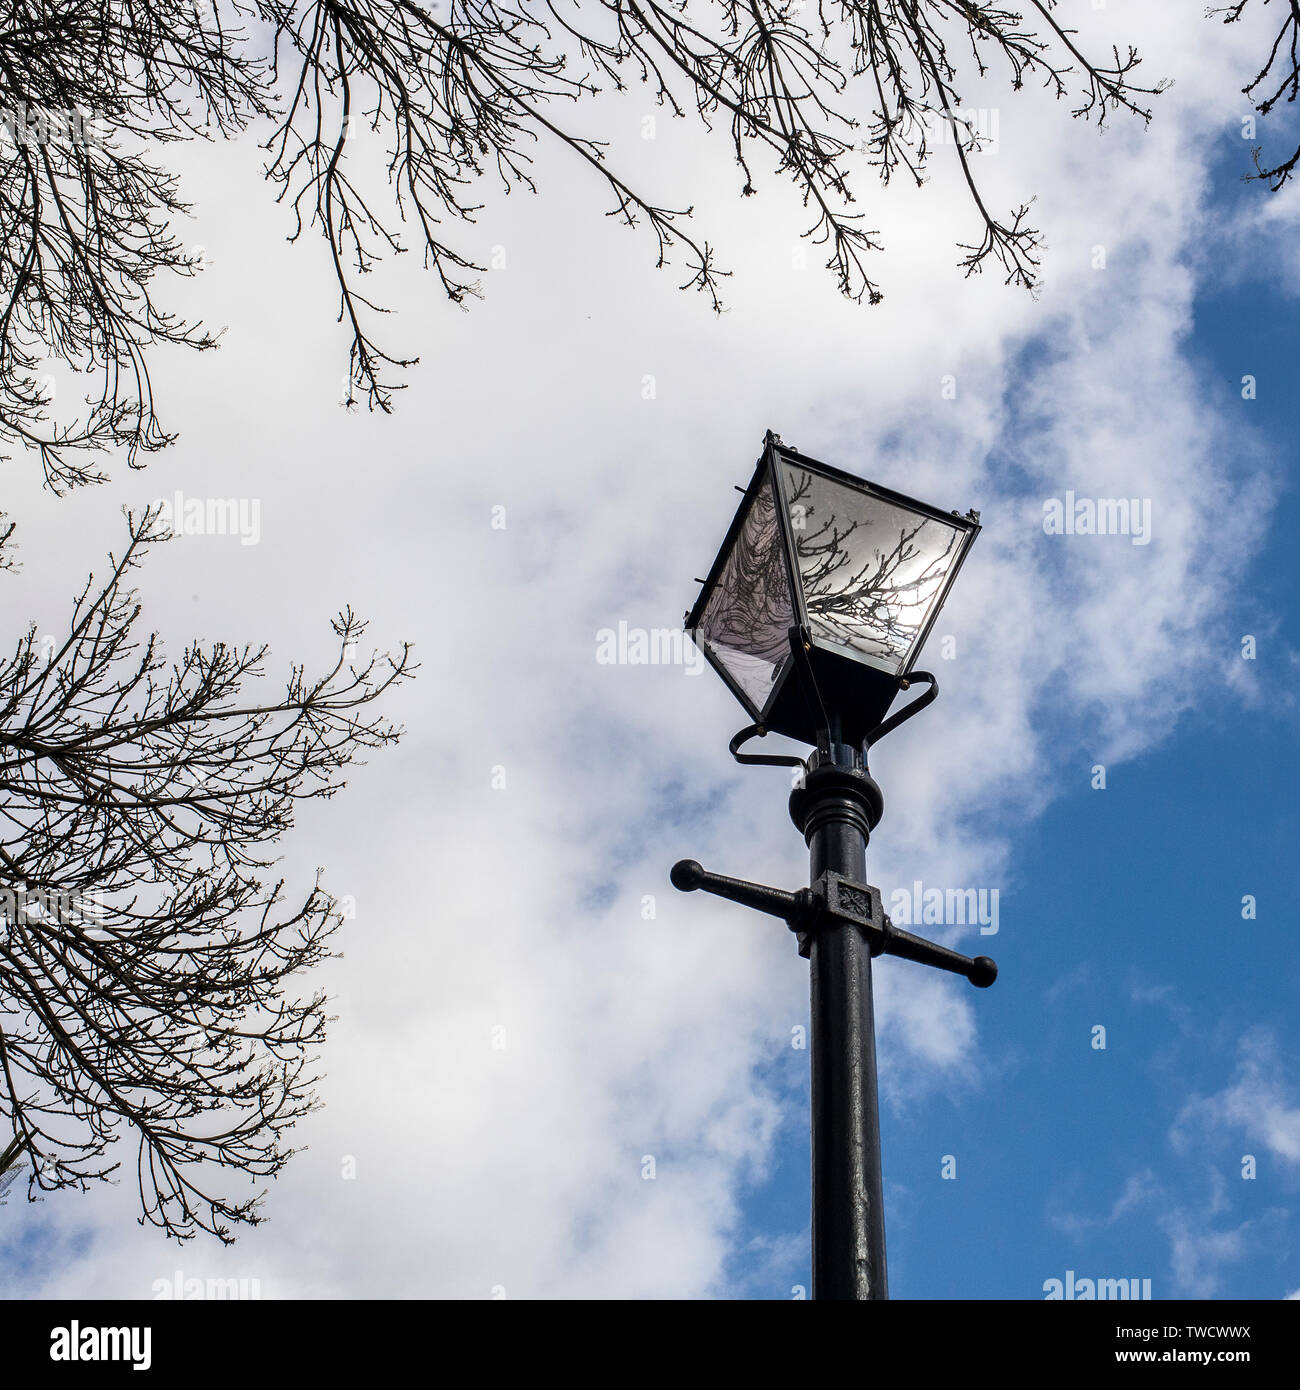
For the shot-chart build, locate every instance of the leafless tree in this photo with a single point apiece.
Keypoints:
(148, 954)
(87, 91)
(457, 93)
(1279, 77)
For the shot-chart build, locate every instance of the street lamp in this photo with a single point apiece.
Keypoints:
(814, 613)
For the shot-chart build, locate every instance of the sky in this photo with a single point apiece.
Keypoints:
(551, 1076)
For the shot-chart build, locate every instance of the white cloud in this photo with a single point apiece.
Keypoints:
(1140, 1190)
(1198, 1255)
(1260, 1102)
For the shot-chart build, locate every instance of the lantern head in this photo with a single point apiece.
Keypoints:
(823, 593)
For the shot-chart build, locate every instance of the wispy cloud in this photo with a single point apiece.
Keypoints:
(1261, 1103)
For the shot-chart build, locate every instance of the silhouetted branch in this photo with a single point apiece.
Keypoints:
(1267, 88)
(453, 93)
(146, 958)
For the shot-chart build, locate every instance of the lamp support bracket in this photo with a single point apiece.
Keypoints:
(904, 714)
(835, 901)
(761, 759)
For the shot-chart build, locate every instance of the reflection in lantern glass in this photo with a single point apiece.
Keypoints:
(871, 571)
(747, 618)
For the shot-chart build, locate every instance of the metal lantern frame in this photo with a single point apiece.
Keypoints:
(857, 685)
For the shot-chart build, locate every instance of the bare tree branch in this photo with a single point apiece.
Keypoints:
(146, 955)
(1267, 88)
(455, 93)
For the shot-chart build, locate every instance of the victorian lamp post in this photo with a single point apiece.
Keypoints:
(814, 613)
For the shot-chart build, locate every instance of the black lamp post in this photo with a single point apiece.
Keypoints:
(814, 613)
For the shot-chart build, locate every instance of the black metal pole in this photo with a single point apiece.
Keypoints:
(836, 810)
